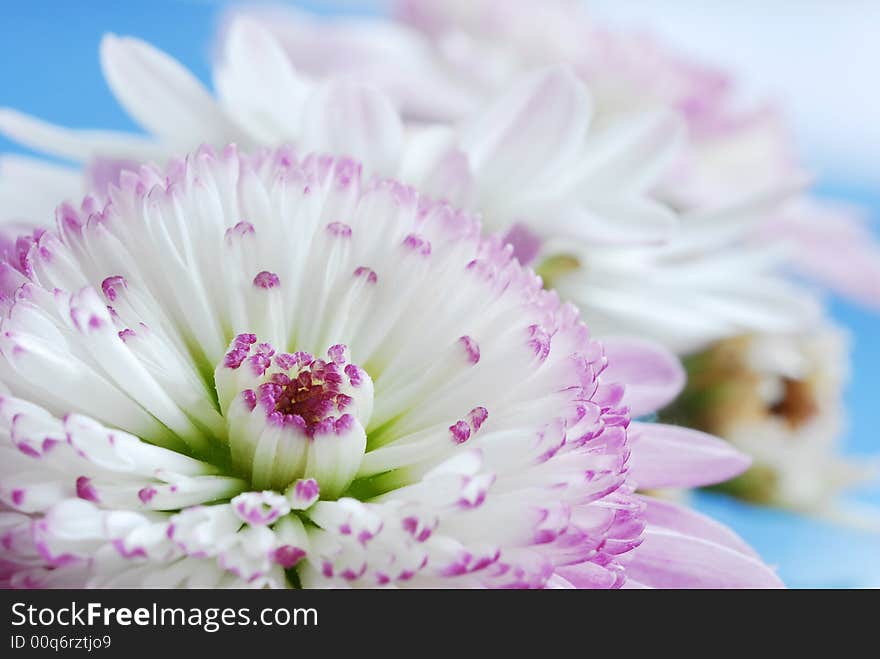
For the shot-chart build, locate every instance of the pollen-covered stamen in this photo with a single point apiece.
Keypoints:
(313, 399)
(294, 416)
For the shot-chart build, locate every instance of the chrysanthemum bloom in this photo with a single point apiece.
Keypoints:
(779, 399)
(270, 371)
(541, 162)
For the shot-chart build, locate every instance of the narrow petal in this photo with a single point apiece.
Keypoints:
(161, 94)
(80, 145)
(668, 456)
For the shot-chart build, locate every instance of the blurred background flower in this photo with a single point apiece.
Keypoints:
(811, 59)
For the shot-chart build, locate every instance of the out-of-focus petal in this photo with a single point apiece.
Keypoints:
(74, 144)
(257, 85)
(30, 189)
(354, 120)
(537, 127)
(161, 94)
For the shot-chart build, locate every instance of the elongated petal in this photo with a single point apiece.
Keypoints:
(74, 144)
(161, 94)
(668, 456)
(257, 84)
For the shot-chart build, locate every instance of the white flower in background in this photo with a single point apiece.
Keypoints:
(271, 371)
(780, 399)
(732, 160)
(538, 163)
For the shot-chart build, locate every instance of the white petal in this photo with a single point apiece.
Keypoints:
(352, 119)
(73, 144)
(533, 131)
(257, 85)
(162, 95)
(30, 189)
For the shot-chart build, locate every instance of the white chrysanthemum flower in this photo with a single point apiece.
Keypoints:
(538, 161)
(735, 164)
(270, 371)
(779, 398)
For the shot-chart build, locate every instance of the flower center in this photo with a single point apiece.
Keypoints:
(798, 404)
(294, 416)
(313, 398)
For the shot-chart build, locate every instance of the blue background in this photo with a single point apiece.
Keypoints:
(49, 68)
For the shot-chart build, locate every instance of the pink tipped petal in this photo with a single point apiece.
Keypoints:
(101, 173)
(526, 244)
(667, 559)
(669, 456)
(653, 375)
(673, 517)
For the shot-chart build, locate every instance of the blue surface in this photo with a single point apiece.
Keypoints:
(49, 68)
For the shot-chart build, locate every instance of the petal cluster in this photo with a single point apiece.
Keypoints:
(270, 370)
